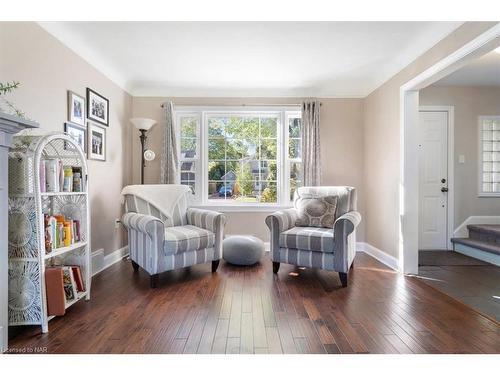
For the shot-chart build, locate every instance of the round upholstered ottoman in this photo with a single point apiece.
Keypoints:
(242, 250)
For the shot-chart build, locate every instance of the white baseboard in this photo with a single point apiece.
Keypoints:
(101, 262)
(366, 248)
(463, 232)
(378, 254)
(97, 261)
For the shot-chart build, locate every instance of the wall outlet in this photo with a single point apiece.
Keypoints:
(117, 223)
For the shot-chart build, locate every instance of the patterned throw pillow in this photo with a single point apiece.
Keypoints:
(316, 212)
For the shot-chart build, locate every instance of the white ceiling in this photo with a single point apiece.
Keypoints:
(484, 71)
(323, 59)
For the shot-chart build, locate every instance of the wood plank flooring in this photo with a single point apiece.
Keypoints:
(250, 310)
(477, 286)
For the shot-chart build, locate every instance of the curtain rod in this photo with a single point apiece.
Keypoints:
(242, 105)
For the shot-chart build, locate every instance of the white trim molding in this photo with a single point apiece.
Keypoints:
(381, 256)
(101, 262)
(409, 103)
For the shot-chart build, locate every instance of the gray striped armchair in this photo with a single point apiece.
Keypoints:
(160, 241)
(326, 248)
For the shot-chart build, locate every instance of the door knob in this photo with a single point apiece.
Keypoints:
(444, 189)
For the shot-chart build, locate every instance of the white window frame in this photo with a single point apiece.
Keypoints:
(481, 192)
(283, 173)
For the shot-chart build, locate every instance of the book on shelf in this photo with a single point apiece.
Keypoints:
(77, 179)
(60, 232)
(62, 285)
(77, 275)
(54, 288)
(68, 179)
(56, 177)
(69, 284)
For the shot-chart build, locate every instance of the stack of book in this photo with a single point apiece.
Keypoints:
(60, 232)
(56, 178)
(62, 284)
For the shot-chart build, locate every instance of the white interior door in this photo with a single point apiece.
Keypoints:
(433, 180)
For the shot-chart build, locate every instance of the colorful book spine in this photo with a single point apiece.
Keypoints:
(77, 230)
(68, 179)
(53, 232)
(77, 275)
(70, 290)
(67, 233)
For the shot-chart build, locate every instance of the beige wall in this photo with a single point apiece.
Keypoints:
(46, 70)
(341, 148)
(382, 141)
(469, 103)
(360, 137)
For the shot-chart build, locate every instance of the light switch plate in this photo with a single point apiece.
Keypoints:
(461, 159)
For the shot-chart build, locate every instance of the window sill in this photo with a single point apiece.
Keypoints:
(242, 208)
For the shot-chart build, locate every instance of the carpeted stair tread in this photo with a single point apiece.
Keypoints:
(493, 229)
(481, 245)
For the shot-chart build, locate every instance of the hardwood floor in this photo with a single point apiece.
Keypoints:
(252, 310)
(475, 286)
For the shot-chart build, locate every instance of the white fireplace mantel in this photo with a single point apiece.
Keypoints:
(9, 125)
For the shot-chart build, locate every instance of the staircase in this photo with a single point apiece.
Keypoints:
(483, 243)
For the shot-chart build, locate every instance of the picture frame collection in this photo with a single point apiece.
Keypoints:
(87, 121)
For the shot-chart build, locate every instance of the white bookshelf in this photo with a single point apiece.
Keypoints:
(27, 206)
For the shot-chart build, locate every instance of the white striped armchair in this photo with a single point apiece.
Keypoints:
(326, 248)
(159, 242)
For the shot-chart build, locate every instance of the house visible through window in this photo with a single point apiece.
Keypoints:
(489, 158)
(240, 157)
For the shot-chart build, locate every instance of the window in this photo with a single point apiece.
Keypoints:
(189, 126)
(489, 156)
(294, 162)
(240, 157)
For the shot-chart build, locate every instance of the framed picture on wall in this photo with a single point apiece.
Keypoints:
(97, 107)
(78, 133)
(96, 141)
(76, 108)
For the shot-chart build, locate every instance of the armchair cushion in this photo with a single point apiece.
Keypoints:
(185, 238)
(316, 212)
(307, 238)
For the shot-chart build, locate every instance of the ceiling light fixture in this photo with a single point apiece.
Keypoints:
(497, 50)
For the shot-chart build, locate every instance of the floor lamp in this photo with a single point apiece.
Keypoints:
(143, 124)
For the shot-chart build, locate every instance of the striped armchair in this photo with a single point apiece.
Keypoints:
(330, 249)
(159, 242)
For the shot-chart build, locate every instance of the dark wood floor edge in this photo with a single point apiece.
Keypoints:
(484, 315)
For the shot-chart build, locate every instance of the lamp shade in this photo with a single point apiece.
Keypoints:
(142, 123)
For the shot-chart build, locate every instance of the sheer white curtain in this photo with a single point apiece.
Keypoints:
(311, 150)
(169, 157)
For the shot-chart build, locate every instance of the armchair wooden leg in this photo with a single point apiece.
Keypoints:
(153, 281)
(343, 279)
(135, 266)
(276, 267)
(215, 265)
